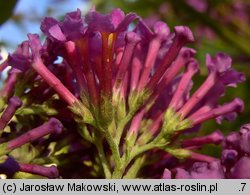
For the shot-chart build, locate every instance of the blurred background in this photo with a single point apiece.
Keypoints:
(218, 25)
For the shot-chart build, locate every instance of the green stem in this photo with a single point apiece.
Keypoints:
(137, 101)
(119, 170)
(103, 159)
(134, 169)
(142, 149)
(121, 126)
(114, 148)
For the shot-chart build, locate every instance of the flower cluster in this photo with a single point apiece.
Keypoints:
(233, 164)
(118, 94)
(235, 154)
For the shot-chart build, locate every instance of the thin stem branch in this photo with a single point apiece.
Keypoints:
(134, 169)
(103, 159)
(114, 148)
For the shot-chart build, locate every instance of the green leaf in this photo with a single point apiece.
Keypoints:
(2, 104)
(3, 149)
(25, 153)
(84, 132)
(23, 175)
(63, 150)
(37, 109)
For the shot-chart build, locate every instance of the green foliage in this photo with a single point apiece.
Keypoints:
(37, 109)
(25, 154)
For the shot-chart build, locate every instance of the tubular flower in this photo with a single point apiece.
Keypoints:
(128, 90)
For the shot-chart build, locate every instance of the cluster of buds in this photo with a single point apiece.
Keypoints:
(120, 89)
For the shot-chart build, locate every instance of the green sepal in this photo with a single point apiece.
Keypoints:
(170, 122)
(178, 152)
(130, 142)
(184, 124)
(121, 110)
(138, 99)
(84, 132)
(145, 137)
(173, 122)
(106, 113)
(83, 114)
(119, 105)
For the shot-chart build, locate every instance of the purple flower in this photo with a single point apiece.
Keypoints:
(245, 138)
(241, 169)
(9, 167)
(48, 172)
(212, 170)
(116, 21)
(219, 67)
(214, 138)
(52, 126)
(201, 170)
(71, 28)
(239, 140)
(198, 170)
(20, 59)
(199, 5)
(229, 157)
(235, 154)
(8, 113)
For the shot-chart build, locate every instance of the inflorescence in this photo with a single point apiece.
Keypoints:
(105, 96)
